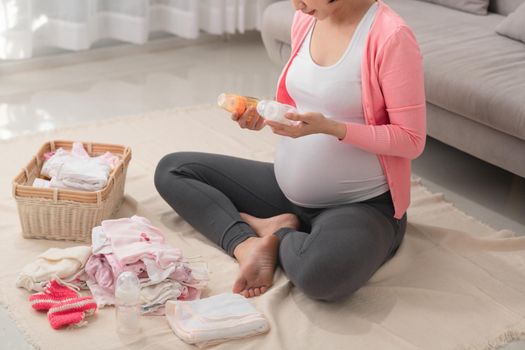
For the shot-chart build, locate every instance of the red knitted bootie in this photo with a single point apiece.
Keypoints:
(71, 312)
(53, 294)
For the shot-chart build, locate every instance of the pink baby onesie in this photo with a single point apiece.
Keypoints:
(135, 238)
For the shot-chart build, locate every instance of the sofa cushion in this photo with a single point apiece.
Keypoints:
(514, 25)
(478, 7)
(469, 69)
(504, 7)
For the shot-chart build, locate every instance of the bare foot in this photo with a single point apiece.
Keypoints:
(267, 227)
(257, 258)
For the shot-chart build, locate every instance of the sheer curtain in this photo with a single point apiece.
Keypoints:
(77, 24)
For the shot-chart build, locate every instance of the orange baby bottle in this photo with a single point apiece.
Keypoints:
(236, 103)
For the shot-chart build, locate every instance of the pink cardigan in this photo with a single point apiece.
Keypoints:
(393, 95)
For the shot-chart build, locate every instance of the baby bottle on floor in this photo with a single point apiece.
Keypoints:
(273, 110)
(127, 293)
(236, 103)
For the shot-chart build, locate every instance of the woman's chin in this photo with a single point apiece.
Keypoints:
(310, 13)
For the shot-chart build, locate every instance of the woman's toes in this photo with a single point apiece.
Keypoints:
(251, 292)
(257, 291)
(263, 289)
(239, 285)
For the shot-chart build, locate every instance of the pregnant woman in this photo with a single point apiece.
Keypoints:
(331, 209)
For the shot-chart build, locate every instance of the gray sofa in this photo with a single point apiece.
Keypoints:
(474, 78)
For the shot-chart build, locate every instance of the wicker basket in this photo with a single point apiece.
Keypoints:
(64, 214)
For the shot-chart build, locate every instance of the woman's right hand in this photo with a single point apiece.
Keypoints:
(250, 119)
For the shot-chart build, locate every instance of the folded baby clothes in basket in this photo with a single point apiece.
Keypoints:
(81, 174)
(214, 320)
(76, 169)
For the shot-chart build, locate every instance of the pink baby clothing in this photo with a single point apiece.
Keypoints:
(99, 270)
(102, 296)
(53, 294)
(105, 268)
(135, 238)
(64, 305)
(134, 244)
(71, 313)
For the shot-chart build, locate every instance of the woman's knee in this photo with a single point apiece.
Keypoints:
(167, 167)
(321, 281)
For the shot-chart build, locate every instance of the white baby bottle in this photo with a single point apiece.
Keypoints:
(273, 110)
(127, 293)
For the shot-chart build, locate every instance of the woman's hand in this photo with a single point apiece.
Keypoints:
(250, 119)
(307, 124)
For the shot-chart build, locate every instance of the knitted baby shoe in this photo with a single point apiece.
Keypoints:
(53, 294)
(71, 312)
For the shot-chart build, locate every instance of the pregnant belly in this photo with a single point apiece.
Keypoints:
(320, 171)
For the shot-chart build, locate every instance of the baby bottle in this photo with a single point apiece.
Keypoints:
(236, 103)
(273, 110)
(127, 293)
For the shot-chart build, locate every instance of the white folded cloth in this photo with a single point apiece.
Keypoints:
(75, 169)
(65, 264)
(80, 174)
(154, 297)
(214, 320)
(100, 243)
(41, 183)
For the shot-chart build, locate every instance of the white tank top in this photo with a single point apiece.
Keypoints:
(319, 170)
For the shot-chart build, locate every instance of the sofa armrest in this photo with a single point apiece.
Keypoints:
(275, 31)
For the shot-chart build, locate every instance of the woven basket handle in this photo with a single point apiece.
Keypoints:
(27, 174)
(15, 186)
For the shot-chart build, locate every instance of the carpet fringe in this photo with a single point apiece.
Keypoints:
(516, 333)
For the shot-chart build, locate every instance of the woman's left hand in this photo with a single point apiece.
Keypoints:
(306, 124)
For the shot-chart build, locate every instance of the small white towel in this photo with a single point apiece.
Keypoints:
(65, 264)
(80, 174)
(214, 320)
(75, 169)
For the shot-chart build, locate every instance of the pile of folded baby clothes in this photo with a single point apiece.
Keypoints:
(76, 170)
(127, 244)
(134, 244)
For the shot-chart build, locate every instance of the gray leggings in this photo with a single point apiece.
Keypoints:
(335, 251)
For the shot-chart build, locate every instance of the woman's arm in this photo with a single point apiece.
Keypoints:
(400, 71)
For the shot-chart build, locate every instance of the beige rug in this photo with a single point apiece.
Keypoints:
(454, 284)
